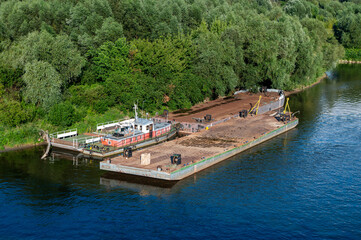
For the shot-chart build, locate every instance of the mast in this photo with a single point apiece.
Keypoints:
(135, 110)
(136, 117)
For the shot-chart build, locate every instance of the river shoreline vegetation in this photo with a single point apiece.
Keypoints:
(353, 54)
(71, 64)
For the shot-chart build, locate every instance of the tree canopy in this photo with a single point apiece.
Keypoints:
(89, 56)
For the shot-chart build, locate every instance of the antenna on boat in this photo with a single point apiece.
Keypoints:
(136, 113)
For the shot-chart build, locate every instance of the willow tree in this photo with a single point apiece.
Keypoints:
(58, 51)
(43, 84)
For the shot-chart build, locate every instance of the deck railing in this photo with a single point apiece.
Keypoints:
(101, 126)
(65, 133)
(85, 140)
(106, 149)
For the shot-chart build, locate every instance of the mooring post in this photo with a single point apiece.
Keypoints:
(49, 144)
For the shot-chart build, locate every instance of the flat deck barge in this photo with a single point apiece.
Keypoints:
(201, 149)
(111, 138)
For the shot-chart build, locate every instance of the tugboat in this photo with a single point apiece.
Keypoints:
(138, 131)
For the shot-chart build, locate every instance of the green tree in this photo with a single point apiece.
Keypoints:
(348, 30)
(216, 59)
(22, 17)
(91, 24)
(90, 96)
(162, 57)
(109, 31)
(111, 57)
(127, 89)
(58, 51)
(43, 84)
(298, 8)
(10, 77)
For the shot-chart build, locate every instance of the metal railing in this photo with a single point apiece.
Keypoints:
(85, 140)
(65, 133)
(101, 126)
(268, 90)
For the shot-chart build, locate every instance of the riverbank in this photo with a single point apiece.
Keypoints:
(318, 80)
(23, 146)
(349, 62)
(21, 137)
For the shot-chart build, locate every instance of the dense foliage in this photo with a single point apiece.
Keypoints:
(88, 57)
(353, 54)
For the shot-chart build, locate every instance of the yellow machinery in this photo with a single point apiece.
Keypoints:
(287, 107)
(256, 106)
(286, 114)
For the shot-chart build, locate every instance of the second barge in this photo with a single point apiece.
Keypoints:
(114, 138)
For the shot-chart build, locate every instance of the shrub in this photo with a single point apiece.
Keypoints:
(12, 113)
(90, 96)
(353, 54)
(62, 114)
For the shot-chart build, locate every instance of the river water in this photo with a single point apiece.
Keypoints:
(303, 184)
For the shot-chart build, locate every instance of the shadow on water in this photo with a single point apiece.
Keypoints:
(142, 185)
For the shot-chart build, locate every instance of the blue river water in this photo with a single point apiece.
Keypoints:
(303, 184)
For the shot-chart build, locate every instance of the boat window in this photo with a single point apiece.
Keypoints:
(109, 142)
(135, 126)
(147, 127)
(140, 127)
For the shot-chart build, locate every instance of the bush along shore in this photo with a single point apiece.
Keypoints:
(66, 64)
(352, 55)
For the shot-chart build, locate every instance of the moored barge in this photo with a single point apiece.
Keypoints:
(113, 138)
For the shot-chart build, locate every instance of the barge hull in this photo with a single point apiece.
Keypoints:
(197, 166)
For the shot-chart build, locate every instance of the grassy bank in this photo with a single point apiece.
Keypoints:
(19, 136)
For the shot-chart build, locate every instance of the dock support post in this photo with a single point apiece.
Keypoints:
(49, 144)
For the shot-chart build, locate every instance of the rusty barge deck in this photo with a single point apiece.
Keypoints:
(202, 149)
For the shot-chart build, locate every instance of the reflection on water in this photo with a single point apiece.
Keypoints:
(76, 157)
(302, 184)
(141, 187)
